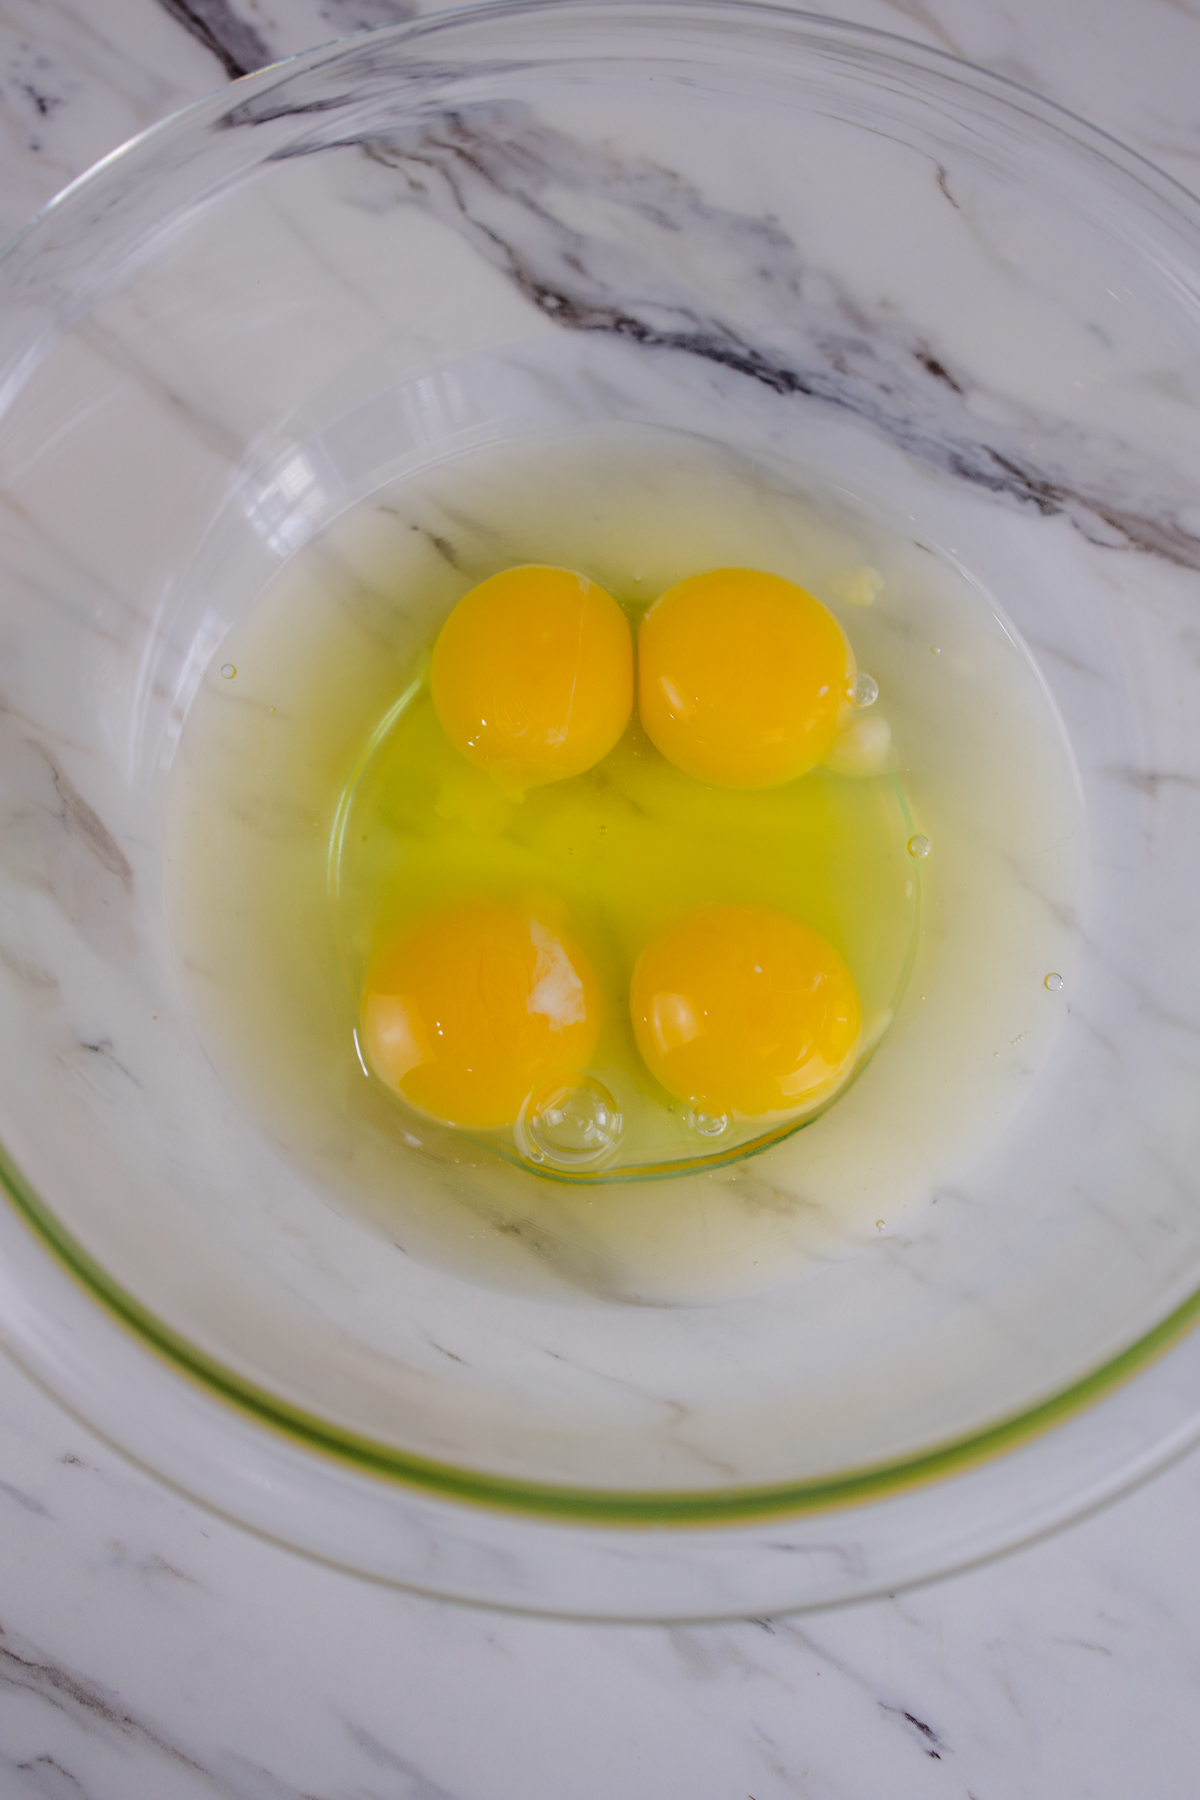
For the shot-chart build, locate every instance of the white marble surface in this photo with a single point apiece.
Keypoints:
(148, 1649)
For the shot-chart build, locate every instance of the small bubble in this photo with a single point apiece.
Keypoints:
(228, 671)
(1053, 982)
(572, 1124)
(918, 845)
(862, 689)
(880, 1224)
(935, 649)
(708, 1124)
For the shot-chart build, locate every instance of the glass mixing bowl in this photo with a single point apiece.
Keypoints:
(932, 305)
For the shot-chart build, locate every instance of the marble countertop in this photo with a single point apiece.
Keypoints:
(151, 1651)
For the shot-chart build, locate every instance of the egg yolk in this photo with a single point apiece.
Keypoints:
(740, 678)
(468, 1010)
(743, 1009)
(532, 675)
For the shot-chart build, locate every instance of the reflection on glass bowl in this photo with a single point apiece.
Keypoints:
(880, 288)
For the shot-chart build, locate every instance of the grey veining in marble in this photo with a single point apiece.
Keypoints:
(247, 1673)
(509, 183)
(149, 1651)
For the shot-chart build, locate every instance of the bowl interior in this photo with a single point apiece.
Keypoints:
(932, 330)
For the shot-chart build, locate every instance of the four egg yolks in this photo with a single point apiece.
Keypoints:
(735, 1009)
(740, 678)
(532, 676)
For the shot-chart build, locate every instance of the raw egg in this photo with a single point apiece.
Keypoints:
(741, 677)
(472, 1007)
(532, 676)
(744, 1010)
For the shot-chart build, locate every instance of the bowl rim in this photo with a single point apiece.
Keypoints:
(856, 1486)
(1002, 87)
(579, 1505)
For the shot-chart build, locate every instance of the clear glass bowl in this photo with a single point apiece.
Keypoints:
(923, 293)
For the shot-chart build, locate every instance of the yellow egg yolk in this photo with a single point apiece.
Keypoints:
(532, 675)
(742, 1009)
(740, 678)
(468, 1010)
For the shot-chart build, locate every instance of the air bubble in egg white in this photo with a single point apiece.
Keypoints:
(1053, 982)
(708, 1124)
(862, 689)
(918, 845)
(570, 1124)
